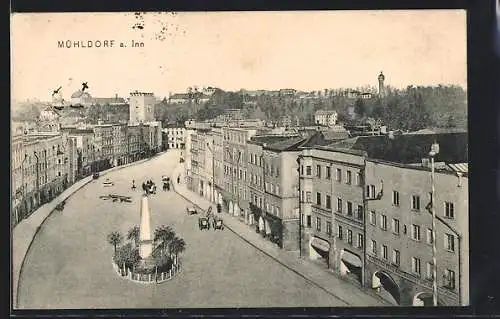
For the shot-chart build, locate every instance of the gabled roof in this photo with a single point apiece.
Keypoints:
(410, 148)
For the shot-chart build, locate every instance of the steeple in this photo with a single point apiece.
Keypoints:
(381, 88)
(145, 241)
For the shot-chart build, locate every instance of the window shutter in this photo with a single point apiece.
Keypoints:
(445, 241)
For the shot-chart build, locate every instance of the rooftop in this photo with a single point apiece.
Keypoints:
(409, 148)
(290, 144)
(269, 139)
(109, 100)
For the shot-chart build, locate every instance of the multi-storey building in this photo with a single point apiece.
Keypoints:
(175, 135)
(152, 136)
(141, 107)
(44, 171)
(235, 157)
(119, 144)
(218, 158)
(273, 188)
(332, 203)
(134, 144)
(17, 157)
(197, 176)
(103, 138)
(399, 227)
(369, 204)
(86, 150)
(325, 117)
(71, 156)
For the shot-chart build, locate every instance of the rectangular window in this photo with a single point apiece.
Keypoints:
(429, 273)
(308, 170)
(348, 178)
(429, 236)
(328, 202)
(373, 247)
(277, 190)
(360, 212)
(318, 199)
(360, 241)
(308, 221)
(415, 232)
(308, 197)
(318, 224)
(449, 242)
(340, 232)
(415, 262)
(339, 175)
(449, 210)
(373, 218)
(384, 252)
(328, 172)
(395, 226)
(301, 169)
(329, 228)
(318, 171)
(415, 202)
(396, 257)
(358, 179)
(339, 205)
(349, 208)
(449, 279)
(383, 222)
(395, 198)
(349, 236)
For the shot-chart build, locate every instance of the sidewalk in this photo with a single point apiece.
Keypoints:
(25, 231)
(322, 278)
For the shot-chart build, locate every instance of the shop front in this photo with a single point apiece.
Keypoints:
(320, 250)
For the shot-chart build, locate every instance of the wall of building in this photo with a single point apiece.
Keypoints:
(141, 107)
(409, 182)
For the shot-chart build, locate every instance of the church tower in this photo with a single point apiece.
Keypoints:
(381, 88)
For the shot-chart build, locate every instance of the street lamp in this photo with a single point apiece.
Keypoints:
(434, 151)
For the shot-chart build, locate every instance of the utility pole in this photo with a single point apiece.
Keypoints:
(434, 151)
(300, 208)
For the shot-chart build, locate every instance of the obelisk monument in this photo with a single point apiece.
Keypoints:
(145, 241)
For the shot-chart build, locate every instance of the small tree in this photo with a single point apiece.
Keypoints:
(163, 236)
(115, 239)
(133, 235)
(177, 246)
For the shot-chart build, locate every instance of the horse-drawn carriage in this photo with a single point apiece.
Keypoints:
(218, 224)
(203, 223)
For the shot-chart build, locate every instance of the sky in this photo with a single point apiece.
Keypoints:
(310, 50)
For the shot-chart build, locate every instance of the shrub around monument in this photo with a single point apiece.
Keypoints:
(127, 256)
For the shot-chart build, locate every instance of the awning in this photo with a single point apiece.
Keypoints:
(320, 244)
(351, 258)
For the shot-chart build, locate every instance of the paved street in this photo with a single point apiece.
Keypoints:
(69, 264)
